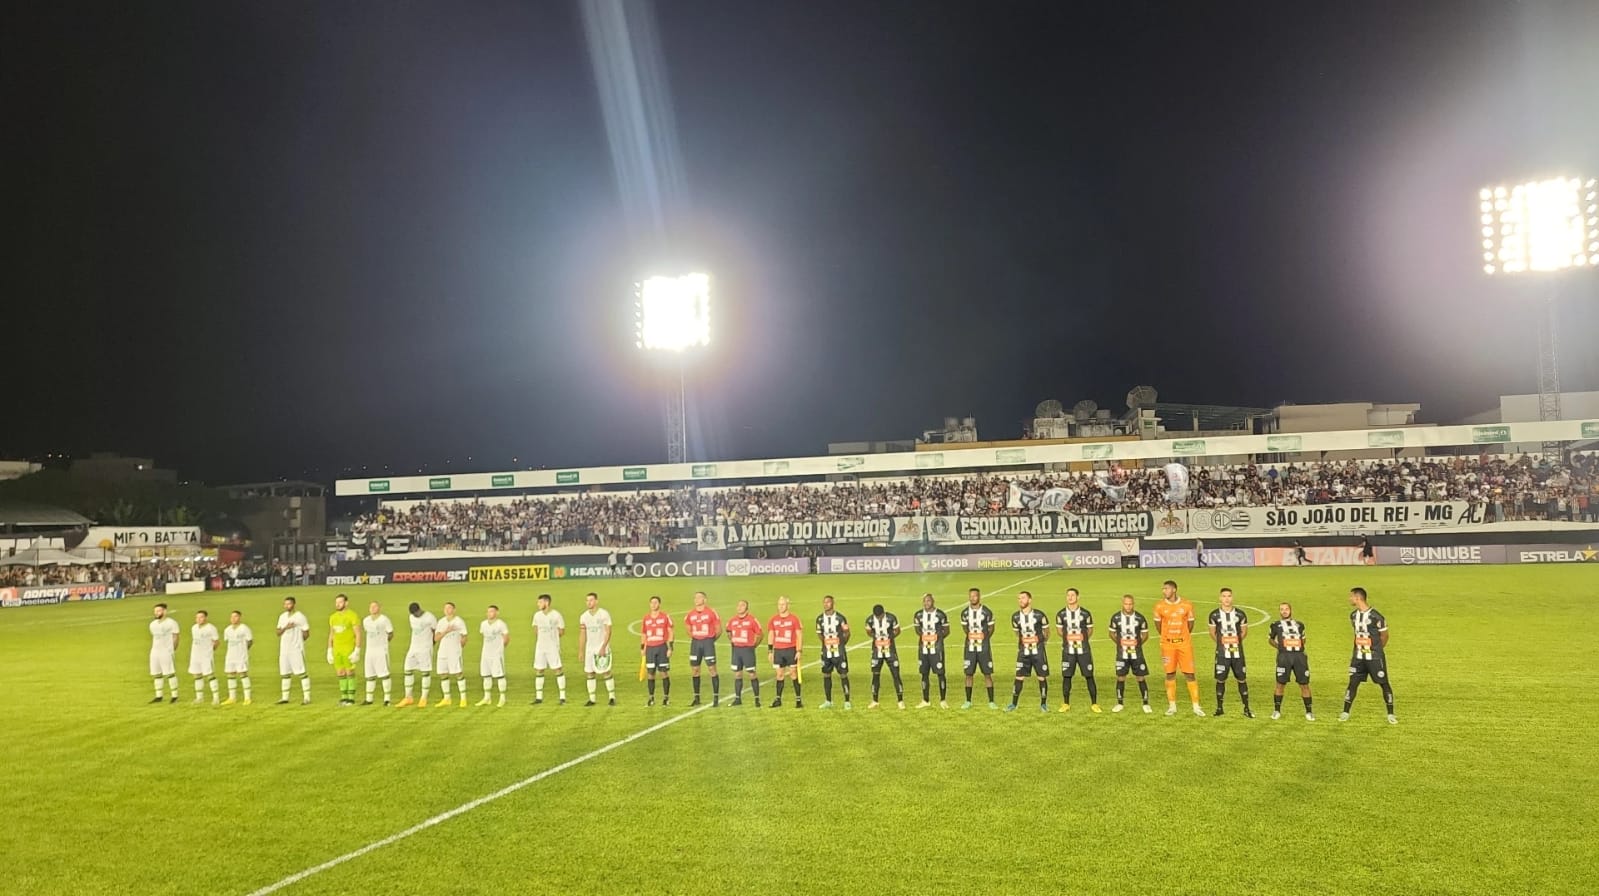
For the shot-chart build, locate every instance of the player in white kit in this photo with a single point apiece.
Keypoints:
(292, 629)
(550, 626)
(379, 632)
(491, 664)
(419, 656)
(163, 652)
(236, 664)
(203, 641)
(594, 643)
(450, 633)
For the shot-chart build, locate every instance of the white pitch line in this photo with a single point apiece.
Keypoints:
(509, 789)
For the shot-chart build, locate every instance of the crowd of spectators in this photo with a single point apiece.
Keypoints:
(138, 577)
(1508, 488)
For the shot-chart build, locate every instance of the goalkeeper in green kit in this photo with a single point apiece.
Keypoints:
(344, 647)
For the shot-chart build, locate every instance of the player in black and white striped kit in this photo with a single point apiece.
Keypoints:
(932, 627)
(1228, 628)
(1076, 627)
(1287, 634)
(1370, 658)
(1032, 630)
(883, 627)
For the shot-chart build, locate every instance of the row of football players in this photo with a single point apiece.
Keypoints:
(1129, 630)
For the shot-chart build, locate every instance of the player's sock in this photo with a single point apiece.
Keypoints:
(410, 682)
(844, 680)
(285, 687)
(738, 687)
(538, 688)
(371, 688)
(1093, 690)
(927, 686)
(796, 689)
(899, 684)
(1307, 704)
(1171, 690)
(780, 683)
(560, 685)
(499, 684)
(1221, 692)
(1065, 689)
(1121, 691)
(755, 687)
(1016, 691)
(593, 688)
(460, 686)
(1143, 691)
(990, 693)
(216, 689)
(427, 685)
(943, 688)
(1387, 694)
(1243, 695)
(199, 688)
(158, 691)
(233, 686)
(388, 689)
(696, 680)
(305, 686)
(652, 687)
(1193, 692)
(666, 687)
(610, 688)
(1276, 702)
(172, 685)
(1043, 692)
(968, 693)
(877, 683)
(445, 684)
(716, 687)
(488, 686)
(827, 688)
(245, 681)
(1349, 695)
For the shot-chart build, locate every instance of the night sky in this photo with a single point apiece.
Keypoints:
(261, 240)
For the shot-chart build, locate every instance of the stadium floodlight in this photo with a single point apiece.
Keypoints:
(673, 316)
(1540, 226)
(674, 313)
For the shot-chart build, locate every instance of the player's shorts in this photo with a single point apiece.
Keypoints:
(163, 665)
(1176, 658)
(449, 664)
(1230, 665)
(891, 660)
(342, 661)
(784, 657)
(1375, 669)
(743, 658)
(931, 663)
(975, 660)
(202, 664)
(419, 661)
(596, 663)
(1072, 663)
(491, 666)
(1293, 664)
(377, 663)
(546, 656)
(1131, 665)
(237, 665)
(291, 663)
(1032, 664)
(839, 663)
(656, 659)
(702, 650)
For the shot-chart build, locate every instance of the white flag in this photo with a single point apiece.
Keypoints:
(1176, 483)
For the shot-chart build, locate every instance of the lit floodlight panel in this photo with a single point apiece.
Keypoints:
(1545, 225)
(675, 312)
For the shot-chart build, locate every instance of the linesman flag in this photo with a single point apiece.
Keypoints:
(641, 666)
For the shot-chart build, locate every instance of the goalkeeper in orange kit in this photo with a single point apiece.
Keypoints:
(1174, 619)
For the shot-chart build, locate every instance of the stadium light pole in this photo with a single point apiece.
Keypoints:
(672, 317)
(1541, 228)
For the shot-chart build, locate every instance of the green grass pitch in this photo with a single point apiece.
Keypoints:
(1487, 785)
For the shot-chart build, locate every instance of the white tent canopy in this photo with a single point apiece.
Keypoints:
(41, 557)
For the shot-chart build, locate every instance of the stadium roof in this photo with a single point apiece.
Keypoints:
(18, 514)
(1178, 417)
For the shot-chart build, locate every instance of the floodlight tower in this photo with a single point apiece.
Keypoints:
(1543, 227)
(672, 317)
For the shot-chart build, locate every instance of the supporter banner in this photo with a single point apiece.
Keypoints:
(1054, 525)
(1320, 555)
(783, 566)
(113, 537)
(1318, 519)
(1019, 560)
(36, 595)
(895, 563)
(734, 535)
(1550, 553)
(396, 544)
(221, 583)
(1442, 555)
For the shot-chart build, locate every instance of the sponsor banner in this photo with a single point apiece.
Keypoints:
(1279, 444)
(784, 566)
(1019, 560)
(567, 477)
(671, 569)
(224, 583)
(732, 535)
(892, 563)
(438, 483)
(39, 595)
(582, 571)
(1319, 555)
(703, 471)
(1188, 447)
(1387, 438)
(1318, 519)
(418, 576)
(522, 572)
(1054, 525)
(118, 537)
(502, 480)
(1442, 555)
(635, 474)
(377, 485)
(1550, 553)
(1481, 435)
(1167, 558)
(1224, 557)
(930, 461)
(362, 579)
(1590, 429)
(185, 587)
